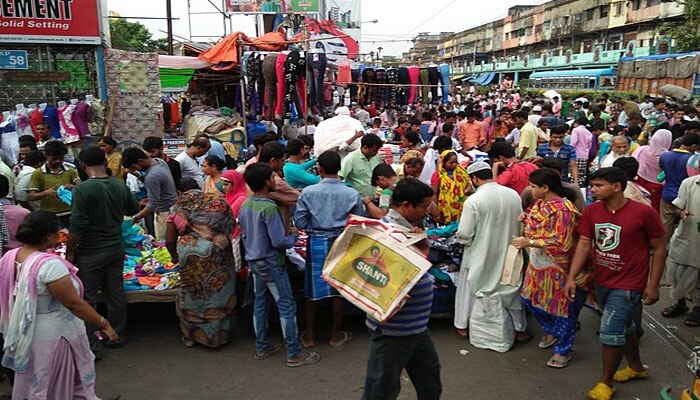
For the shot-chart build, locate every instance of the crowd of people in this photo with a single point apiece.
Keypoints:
(594, 199)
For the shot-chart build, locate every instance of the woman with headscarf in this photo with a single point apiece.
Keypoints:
(235, 191)
(649, 169)
(197, 235)
(450, 184)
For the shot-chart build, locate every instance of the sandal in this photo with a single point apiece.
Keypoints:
(523, 337)
(674, 310)
(552, 363)
(601, 391)
(311, 358)
(344, 338)
(187, 342)
(462, 332)
(628, 373)
(272, 349)
(545, 344)
(306, 340)
(693, 319)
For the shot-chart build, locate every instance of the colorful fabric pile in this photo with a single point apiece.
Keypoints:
(147, 265)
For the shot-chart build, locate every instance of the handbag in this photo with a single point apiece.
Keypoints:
(513, 267)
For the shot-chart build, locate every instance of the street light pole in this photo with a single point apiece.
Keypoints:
(169, 15)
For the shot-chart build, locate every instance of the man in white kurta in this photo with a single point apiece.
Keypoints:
(488, 225)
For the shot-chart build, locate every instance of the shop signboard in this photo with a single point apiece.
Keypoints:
(272, 6)
(50, 21)
(13, 59)
(173, 147)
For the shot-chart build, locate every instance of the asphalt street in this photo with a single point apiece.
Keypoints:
(155, 365)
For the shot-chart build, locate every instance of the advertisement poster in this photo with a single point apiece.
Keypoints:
(272, 6)
(50, 21)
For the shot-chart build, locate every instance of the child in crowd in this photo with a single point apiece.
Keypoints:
(265, 241)
(384, 178)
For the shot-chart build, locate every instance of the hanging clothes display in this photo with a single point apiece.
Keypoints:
(98, 112)
(81, 117)
(424, 88)
(445, 79)
(51, 119)
(344, 74)
(434, 80)
(355, 74)
(22, 124)
(186, 103)
(392, 78)
(381, 90)
(413, 76)
(404, 80)
(36, 118)
(270, 77)
(255, 90)
(68, 130)
(10, 140)
(294, 81)
(318, 63)
(281, 89)
(369, 76)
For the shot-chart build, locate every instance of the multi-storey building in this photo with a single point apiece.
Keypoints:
(425, 48)
(559, 34)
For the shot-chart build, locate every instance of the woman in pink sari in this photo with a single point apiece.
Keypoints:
(42, 318)
(235, 190)
(648, 157)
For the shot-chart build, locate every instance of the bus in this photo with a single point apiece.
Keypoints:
(593, 79)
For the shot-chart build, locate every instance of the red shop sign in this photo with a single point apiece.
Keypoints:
(49, 21)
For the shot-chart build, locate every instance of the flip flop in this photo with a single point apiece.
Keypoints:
(187, 342)
(311, 358)
(304, 339)
(268, 352)
(693, 319)
(545, 344)
(462, 333)
(674, 310)
(523, 337)
(346, 337)
(552, 363)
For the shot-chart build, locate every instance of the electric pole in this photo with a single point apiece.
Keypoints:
(169, 16)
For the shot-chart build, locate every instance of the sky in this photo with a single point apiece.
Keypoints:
(398, 20)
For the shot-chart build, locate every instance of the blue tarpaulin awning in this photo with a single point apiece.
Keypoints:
(483, 79)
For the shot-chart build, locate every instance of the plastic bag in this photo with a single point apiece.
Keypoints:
(65, 195)
(490, 325)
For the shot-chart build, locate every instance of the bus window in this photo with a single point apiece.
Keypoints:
(607, 81)
(591, 83)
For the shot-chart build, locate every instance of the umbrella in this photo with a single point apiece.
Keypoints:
(550, 94)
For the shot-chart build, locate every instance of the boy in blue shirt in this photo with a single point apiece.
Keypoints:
(265, 240)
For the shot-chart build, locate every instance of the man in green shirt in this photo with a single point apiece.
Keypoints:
(357, 167)
(527, 148)
(46, 180)
(95, 239)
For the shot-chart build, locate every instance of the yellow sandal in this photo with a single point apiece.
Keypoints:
(628, 373)
(601, 391)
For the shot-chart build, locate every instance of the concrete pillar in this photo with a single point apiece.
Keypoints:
(516, 78)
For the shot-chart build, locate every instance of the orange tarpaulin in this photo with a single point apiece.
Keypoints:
(226, 51)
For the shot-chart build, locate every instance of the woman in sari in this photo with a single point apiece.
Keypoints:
(114, 158)
(410, 146)
(648, 157)
(550, 235)
(450, 184)
(43, 318)
(198, 236)
(235, 191)
(212, 167)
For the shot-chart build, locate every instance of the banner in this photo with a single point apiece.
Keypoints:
(272, 6)
(50, 21)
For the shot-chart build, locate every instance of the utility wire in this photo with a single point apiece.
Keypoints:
(434, 15)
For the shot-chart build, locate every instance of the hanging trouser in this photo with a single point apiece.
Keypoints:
(434, 79)
(445, 79)
(270, 77)
(369, 76)
(281, 88)
(317, 72)
(424, 88)
(413, 76)
(381, 90)
(354, 90)
(294, 72)
(392, 78)
(256, 85)
(404, 80)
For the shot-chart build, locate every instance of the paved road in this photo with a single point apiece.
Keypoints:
(155, 365)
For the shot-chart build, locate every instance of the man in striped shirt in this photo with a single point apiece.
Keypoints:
(404, 341)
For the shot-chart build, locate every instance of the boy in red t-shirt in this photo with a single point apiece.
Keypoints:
(623, 232)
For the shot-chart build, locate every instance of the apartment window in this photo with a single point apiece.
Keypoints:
(589, 14)
(618, 9)
(604, 10)
(636, 4)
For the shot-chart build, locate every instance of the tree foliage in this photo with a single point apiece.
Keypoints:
(686, 34)
(133, 36)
